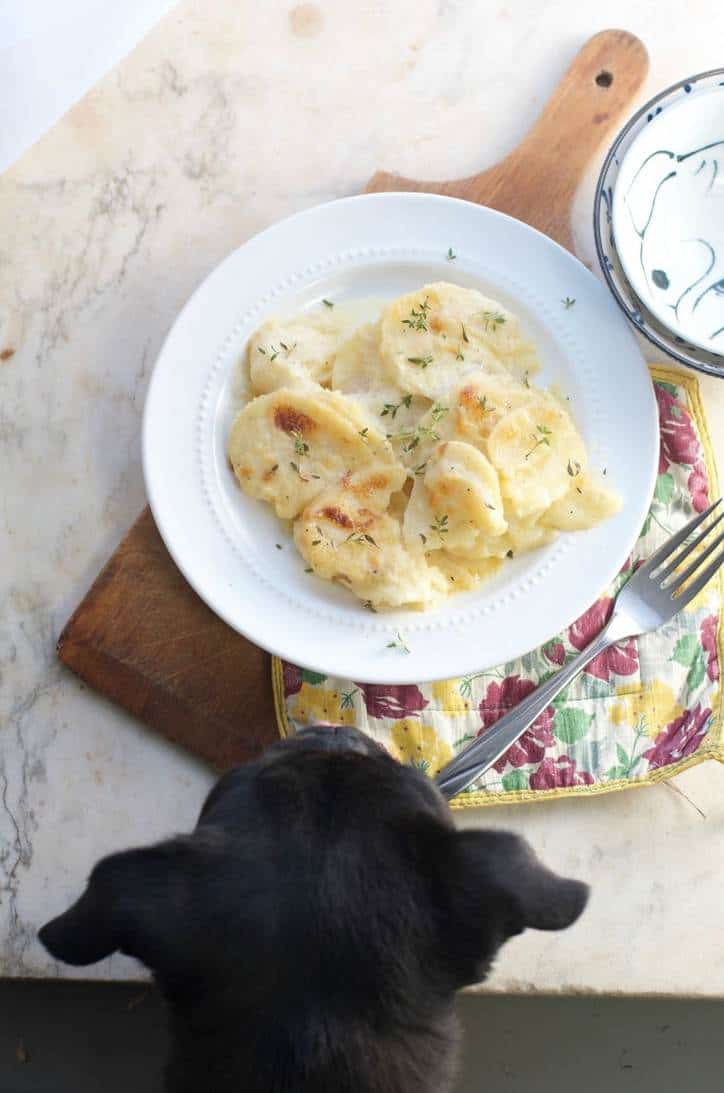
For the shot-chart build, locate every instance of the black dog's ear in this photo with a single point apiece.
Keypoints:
(130, 904)
(501, 863)
(497, 887)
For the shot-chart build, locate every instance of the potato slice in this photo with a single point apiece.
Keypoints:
(296, 351)
(532, 448)
(587, 502)
(433, 338)
(456, 504)
(345, 540)
(360, 373)
(289, 445)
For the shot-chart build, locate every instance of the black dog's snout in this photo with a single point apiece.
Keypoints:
(338, 738)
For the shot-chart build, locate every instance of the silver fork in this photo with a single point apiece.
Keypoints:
(652, 596)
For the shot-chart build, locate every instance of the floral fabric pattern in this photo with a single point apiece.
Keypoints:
(640, 711)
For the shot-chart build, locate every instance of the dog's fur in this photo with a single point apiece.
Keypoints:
(311, 933)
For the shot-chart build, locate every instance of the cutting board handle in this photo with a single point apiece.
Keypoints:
(591, 97)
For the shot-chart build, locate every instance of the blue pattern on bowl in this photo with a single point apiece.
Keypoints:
(633, 307)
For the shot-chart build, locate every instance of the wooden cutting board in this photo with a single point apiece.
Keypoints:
(142, 636)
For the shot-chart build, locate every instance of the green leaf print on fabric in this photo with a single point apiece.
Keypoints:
(685, 649)
(664, 488)
(570, 724)
(697, 671)
(312, 677)
(670, 387)
(515, 780)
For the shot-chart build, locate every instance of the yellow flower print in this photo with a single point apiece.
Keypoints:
(628, 711)
(313, 703)
(446, 696)
(413, 742)
(663, 707)
(656, 704)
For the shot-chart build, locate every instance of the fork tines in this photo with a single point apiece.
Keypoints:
(663, 565)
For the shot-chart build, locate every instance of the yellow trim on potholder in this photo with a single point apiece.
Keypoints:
(711, 748)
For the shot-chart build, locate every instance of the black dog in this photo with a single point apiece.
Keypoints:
(311, 933)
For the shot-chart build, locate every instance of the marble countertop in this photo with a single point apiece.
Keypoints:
(226, 117)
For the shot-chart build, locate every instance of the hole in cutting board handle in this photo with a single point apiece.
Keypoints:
(604, 79)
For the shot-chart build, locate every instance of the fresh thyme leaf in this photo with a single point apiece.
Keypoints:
(274, 469)
(420, 469)
(278, 546)
(574, 467)
(391, 408)
(492, 320)
(261, 349)
(300, 446)
(451, 255)
(483, 403)
(417, 319)
(465, 336)
(363, 432)
(327, 303)
(414, 436)
(422, 361)
(526, 381)
(578, 489)
(360, 537)
(440, 525)
(542, 435)
(568, 303)
(309, 569)
(509, 554)
(489, 506)
(399, 643)
(424, 538)
(369, 605)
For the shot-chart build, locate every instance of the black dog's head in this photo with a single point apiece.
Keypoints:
(311, 932)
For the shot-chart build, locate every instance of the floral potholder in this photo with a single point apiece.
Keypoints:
(639, 713)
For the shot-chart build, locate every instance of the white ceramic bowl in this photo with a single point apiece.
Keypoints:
(668, 216)
(659, 221)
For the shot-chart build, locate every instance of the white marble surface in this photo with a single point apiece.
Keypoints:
(229, 115)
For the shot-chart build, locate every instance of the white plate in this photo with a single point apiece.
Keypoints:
(379, 246)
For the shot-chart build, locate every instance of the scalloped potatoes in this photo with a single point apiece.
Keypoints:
(413, 455)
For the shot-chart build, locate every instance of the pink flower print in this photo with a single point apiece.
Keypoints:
(621, 659)
(680, 737)
(679, 443)
(555, 652)
(501, 697)
(708, 640)
(698, 485)
(559, 773)
(292, 679)
(383, 700)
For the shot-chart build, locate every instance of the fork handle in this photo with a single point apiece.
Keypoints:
(481, 753)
